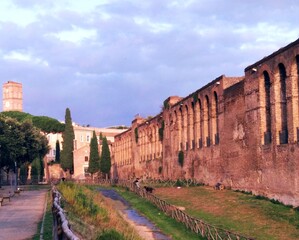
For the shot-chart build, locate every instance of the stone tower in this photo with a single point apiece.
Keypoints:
(12, 96)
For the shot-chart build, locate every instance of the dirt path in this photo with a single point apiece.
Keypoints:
(20, 216)
(145, 228)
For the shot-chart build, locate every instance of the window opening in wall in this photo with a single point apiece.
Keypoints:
(86, 173)
(86, 158)
(216, 136)
(200, 124)
(297, 63)
(267, 86)
(200, 143)
(207, 121)
(283, 134)
(192, 125)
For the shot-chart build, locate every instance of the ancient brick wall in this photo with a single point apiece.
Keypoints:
(271, 93)
(241, 131)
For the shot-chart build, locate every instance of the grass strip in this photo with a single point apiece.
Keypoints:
(246, 214)
(48, 222)
(92, 216)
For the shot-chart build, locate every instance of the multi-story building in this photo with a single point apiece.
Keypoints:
(81, 152)
(241, 131)
(13, 101)
(12, 96)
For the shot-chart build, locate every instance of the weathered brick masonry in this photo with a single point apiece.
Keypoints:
(240, 131)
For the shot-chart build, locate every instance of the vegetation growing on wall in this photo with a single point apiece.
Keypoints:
(136, 134)
(181, 158)
(161, 131)
(195, 97)
(166, 104)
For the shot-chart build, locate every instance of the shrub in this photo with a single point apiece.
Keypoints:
(181, 158)
(110, 234)
(179, 183)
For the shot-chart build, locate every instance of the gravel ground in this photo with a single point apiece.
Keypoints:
(20, 216)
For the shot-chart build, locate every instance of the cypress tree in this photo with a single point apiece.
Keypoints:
(68, 136)
(57, 152)
(41, 170)
(105, 162)
(94, 157)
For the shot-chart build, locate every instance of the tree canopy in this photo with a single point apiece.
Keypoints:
(20, 143)
(45, 124)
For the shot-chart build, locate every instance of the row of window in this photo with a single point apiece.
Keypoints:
(197, 125)
(279, 106)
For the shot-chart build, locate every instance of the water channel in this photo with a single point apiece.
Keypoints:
(145, 227)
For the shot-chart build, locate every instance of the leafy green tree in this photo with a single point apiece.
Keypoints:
(35, 170)
(35, 144)
(42, 169)
(45, 124)
(20, 143)
(57, 152)
(67, 159)
(105, 162)
(23, 173)
(94, 157)
(12, 144)
(19, 116)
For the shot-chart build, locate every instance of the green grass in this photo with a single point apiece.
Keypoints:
(167, 225)
(34, 187)
(245, 214)
(48, 222)
(91, 216)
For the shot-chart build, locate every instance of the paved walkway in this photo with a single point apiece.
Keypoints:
(20, 216)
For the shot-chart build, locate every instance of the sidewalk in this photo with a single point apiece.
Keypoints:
(20, 216)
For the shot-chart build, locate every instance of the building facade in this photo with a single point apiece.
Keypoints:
(12, 99)
(81, 152)
(241, 131)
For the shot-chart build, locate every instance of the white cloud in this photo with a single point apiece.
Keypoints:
(154, 27)
(76, 35)
(134, 53)
(26, 57)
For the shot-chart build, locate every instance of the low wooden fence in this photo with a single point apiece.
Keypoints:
(61, 227)
(196, 225)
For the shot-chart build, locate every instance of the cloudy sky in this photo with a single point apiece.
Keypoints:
(108, 60)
